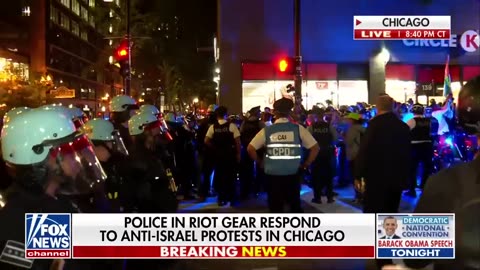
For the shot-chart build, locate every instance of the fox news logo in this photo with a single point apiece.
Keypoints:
(47, 236)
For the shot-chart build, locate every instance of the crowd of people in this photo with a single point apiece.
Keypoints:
(144, 161)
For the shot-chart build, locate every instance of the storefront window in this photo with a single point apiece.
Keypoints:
(401, 91)
(456, 86)
(318, 92)
(351, 92)
(264, 94)
(12, 71)
(258, 93)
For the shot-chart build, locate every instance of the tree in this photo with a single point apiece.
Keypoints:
(19, 94)
(17, 91)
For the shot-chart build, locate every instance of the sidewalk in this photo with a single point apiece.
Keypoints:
(343, 204)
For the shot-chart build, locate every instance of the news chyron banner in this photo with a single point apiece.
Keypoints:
(401, 27)
(223, 236)
(416, 236)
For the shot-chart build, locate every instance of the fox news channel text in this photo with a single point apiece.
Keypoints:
(47, 236)
(223, 236)
(401, 27)
(416, 236)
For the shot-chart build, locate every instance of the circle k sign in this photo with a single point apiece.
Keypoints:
(469, 41)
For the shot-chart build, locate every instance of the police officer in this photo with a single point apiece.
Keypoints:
(422, 147)
(223, 140)
(112, 153)
(282, 163)
(457, 190)
(323, 166)
(248, 177)
(123, 107)
(151, 181)
(206, 157)
(46, 156)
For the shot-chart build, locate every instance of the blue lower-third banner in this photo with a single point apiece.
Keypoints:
(416, 253)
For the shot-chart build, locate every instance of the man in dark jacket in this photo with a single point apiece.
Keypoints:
(383, 161)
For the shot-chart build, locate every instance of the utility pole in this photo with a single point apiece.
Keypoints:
(298, 57)
(128, 76)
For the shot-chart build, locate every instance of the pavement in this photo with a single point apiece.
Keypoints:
(343, 204)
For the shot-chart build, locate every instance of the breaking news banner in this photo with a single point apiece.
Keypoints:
(222, 236)
(416, 236)
(401, 27)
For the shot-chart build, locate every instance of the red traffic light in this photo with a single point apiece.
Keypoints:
(283, 65)
(121, 53)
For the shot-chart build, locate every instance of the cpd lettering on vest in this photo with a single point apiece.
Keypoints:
(469, 41)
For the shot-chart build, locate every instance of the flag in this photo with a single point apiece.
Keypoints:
(447, 86)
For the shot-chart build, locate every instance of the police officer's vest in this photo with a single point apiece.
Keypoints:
(223, 141)
(421, 132)
(284, 150)
(322, 134)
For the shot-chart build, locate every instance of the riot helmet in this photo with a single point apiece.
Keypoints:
(43, 147)
(101, 131)
(13, 113)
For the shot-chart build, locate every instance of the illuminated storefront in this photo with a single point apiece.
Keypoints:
(336, 67)
(13, 71)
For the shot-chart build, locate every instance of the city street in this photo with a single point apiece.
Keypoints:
(342, 205)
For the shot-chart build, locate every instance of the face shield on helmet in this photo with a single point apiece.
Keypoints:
(144, 122)
(123, 103)
(49, 137)
(77, 116)
(147, 108)
(75, 163)
(101, 130)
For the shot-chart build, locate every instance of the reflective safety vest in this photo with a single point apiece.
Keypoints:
(284, 149)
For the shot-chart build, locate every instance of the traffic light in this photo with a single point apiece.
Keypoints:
(286, 65)
(122, 58)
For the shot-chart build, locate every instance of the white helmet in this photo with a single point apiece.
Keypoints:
(138, 122)
(76, 112)
(123, 103)
(34, 136)
(59, 108)
(149, 109)
(99, 129)
(14, 112)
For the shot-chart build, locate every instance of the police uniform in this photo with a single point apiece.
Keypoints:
(422, 150)
(283, 142)
(223, 135)
(323, 166)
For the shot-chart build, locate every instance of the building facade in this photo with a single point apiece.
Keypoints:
(63, 41)
(253, 34)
